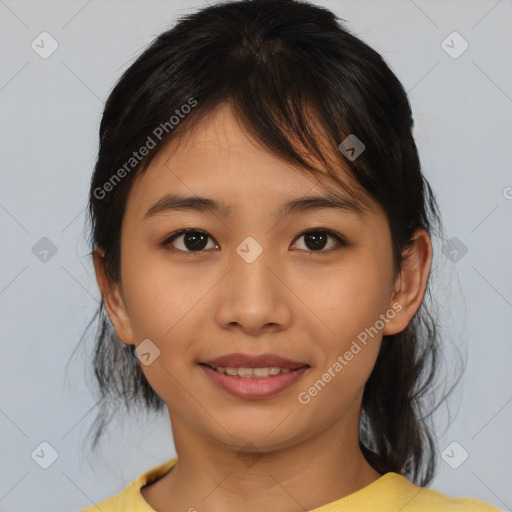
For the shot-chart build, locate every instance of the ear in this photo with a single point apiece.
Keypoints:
(411, 282)
(113, 299)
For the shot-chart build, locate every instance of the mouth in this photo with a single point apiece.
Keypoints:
(253, 373)
(251, 362)
(253, 377)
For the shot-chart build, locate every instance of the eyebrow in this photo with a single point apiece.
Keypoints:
(174, 202)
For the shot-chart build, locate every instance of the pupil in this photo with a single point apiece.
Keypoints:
(198, 241)
(318, 241)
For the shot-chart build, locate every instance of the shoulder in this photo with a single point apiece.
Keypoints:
(393, 492)
(422, 499)
(470, 505)
(130, 497)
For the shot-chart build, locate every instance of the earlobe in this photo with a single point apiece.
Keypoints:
(411, 283)
(113, 299)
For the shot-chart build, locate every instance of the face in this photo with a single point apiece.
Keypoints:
(312, 286)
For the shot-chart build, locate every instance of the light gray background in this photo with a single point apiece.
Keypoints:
(51, 110)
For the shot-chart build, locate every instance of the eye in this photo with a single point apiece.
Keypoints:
(193, 240)
(316, 239)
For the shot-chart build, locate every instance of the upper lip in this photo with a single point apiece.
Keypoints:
(251, 361)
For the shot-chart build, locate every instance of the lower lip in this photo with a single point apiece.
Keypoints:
(254, 388)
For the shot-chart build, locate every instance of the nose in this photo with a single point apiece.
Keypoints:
(254, 298)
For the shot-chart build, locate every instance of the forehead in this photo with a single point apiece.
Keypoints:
(218, 157)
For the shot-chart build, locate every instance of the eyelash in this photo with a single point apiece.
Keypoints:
(340, 240)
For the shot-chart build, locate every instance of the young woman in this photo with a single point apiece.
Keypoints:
(261, 234)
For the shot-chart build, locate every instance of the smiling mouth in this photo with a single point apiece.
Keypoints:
(248, 377)
(253, 373)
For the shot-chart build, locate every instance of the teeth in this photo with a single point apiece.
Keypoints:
(245, 372)
(258, 373)
(261, 372)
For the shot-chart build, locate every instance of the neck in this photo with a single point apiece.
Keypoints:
(213, 477)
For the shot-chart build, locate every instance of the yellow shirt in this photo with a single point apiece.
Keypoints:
(390, 493)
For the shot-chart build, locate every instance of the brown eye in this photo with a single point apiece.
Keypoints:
(195, 240)
(316, 240)
(190, 240)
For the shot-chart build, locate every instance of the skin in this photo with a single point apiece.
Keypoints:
(301, 304)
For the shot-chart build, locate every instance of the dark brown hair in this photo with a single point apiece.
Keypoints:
(301, 83)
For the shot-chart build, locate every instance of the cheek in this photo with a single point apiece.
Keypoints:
(350, 309)
(159, 294)
(162, 303)
(351, 297)
(349, 302)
